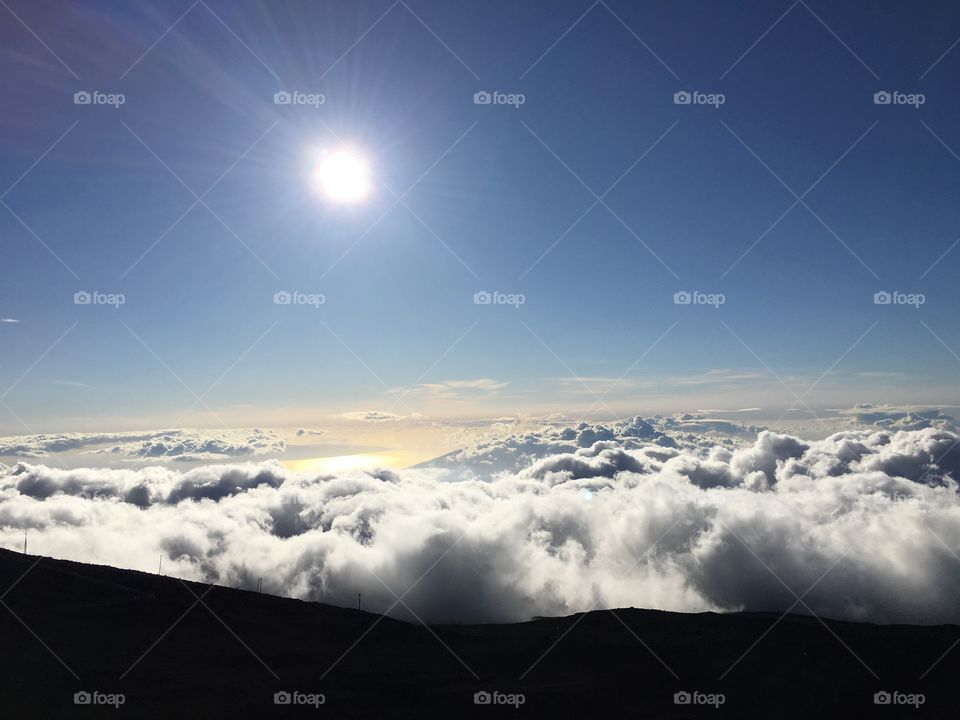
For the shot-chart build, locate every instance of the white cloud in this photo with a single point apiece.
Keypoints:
(370, 416)
(455, 389)
(600, 385)
(181, 445)
(899, 418)
(73, 384)
(564, 529)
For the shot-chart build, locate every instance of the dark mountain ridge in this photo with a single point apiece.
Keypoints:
(117, 634)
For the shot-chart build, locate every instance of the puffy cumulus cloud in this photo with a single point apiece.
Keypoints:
(605, 458)
(927, 456)
(185, 445)
(698, 427)
(37, 446)
(894, 418)
(766, 455)
(870, 520)
(203, 445)
(513, 452)
(142, 487)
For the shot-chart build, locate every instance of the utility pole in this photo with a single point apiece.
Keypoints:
(160, 568)
(359, 597)
(259, 586)
(24, 542)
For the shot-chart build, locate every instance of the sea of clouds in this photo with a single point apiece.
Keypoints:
(671, 513)
(159, 445)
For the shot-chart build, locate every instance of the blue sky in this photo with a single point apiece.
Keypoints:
(492, 189)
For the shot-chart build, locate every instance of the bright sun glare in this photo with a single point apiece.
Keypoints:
(342, 177)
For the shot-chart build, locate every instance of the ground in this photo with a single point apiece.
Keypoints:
(147, 637)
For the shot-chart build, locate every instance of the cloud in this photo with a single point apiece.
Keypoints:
(701, 425)
(36, 446)
(180, 445)
(899, 418)
(600, 385)
(9, 320)
(377, 416)
(603, 459)
(479, 387)
(628, 521)
(516, 451)
(73, 384)
(184, 446)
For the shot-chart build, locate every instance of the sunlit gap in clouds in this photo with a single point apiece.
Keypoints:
(336, 464)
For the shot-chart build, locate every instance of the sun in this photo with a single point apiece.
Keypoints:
(342, 176)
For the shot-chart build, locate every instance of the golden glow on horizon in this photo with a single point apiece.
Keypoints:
(394, 459)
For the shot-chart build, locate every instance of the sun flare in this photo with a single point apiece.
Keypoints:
(341, 176)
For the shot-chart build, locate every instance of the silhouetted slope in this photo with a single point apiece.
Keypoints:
(220, 662)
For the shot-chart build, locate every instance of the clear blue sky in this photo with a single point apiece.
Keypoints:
(494, 198)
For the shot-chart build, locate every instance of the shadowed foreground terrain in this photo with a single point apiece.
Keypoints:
(109, 631)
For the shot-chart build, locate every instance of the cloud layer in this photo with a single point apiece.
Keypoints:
(863, 525)
(182, 445)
